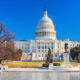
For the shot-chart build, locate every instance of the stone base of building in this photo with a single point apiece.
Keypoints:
(51, 66)
(66, 65)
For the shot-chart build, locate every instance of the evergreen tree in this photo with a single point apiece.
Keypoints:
(50, 56)
(75, 53)
(79, 57)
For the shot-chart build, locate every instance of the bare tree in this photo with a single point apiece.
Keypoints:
(7, 49)
(6, 44)
(5, 35)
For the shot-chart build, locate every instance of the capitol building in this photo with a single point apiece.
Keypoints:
(45, 38)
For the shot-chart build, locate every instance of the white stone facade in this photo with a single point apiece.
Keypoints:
(45, 38)
(39, 48)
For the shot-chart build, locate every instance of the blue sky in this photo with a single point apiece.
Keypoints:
(22, 16)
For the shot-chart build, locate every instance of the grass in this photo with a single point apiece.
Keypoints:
(23, 64)
(29, 64)
(72, 63)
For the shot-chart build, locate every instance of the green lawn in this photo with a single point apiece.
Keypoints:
(29, 64)
(23, 64)
(72, 63)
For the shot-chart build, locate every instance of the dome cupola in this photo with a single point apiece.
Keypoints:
(45, 28)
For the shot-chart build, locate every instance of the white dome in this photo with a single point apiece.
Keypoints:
(45, 19)
(45, 28)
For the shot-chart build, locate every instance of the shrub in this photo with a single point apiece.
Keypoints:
(56, 64)
(45, 65)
